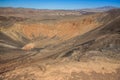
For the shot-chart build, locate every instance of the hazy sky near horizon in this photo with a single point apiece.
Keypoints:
(59, 4)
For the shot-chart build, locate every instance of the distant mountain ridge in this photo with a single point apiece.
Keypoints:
(29, 12)
(104, 7)
(99, 9)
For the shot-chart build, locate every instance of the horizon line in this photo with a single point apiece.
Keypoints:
(56, 8)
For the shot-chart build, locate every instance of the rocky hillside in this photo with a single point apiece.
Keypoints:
(68, 48)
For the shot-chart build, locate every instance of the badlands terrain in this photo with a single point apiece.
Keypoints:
(60, 44)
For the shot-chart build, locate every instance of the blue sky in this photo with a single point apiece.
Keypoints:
(59, 4)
